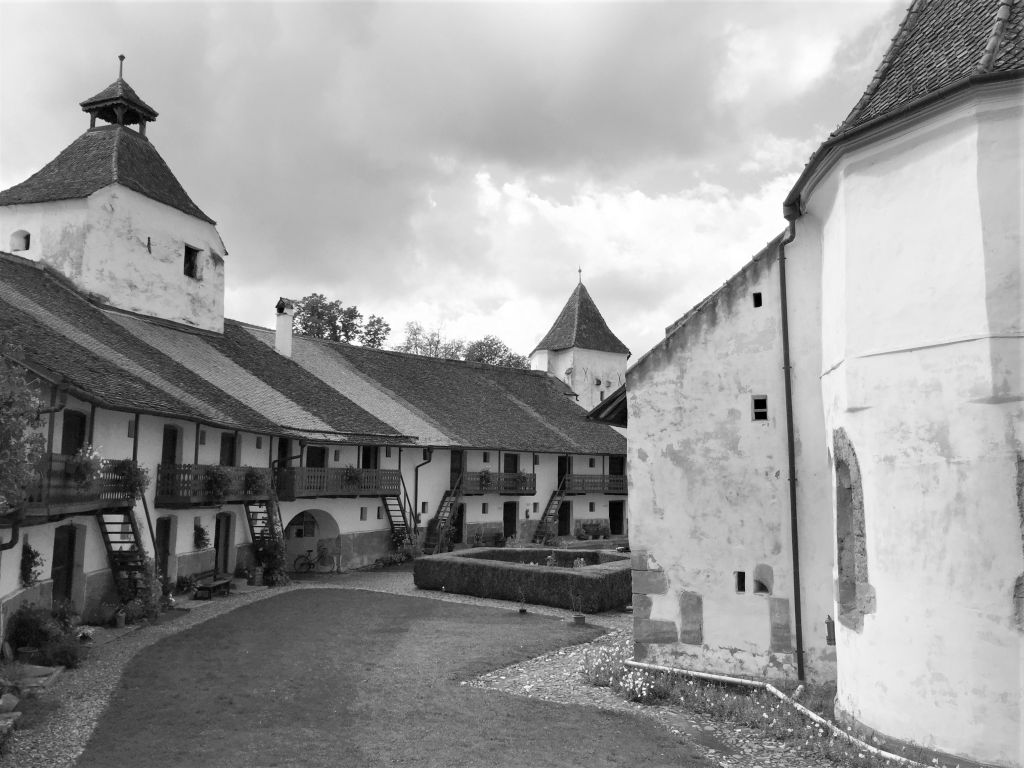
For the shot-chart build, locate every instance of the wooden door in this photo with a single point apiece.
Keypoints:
(510, 518)
(369, 457)
(169, 446)
(565, 519)
(510, 463)
(316, 456)
(228, 446)
(564, 468)
(617, 517)
(222, 542)
(163, 544)
(63, 568)
(458, 459)
(73, 432)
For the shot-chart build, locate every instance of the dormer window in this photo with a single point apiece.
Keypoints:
(191, 264)
(20, 241)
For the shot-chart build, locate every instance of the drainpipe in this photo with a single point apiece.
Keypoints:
(791, 212)
(416, 486)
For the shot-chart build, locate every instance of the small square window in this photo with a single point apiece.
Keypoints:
(741, 581)
(487, 457)
(424, 509)
(759, 407)
(387, 451)
(380, 513)
(536, 459)
(131, 427)
(757, 299)
(536, 508)
(202, 437)
(191, 263)
(259, 442)
(362, 513)
(591, 506)
(601, 395)
(483, 508)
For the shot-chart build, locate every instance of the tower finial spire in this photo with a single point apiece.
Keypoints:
(120, 66)
(580, 270)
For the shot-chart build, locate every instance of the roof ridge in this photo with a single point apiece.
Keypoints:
(988, 57)
(113, 156)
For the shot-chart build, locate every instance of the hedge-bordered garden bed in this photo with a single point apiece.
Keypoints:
(513, 574)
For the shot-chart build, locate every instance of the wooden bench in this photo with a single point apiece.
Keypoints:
(210, 582)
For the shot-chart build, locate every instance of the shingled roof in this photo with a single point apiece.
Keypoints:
(580, 324)
(110, 154)
(118, 92)
(135, 364)
(941, 47)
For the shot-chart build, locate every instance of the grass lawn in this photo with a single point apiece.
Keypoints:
(353, 678)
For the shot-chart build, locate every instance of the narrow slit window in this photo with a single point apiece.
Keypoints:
(483, 508)
(759, 407)
(741, 581)
(362, 513)
(380, 513)
(191, 263)
(487, 457)
(757, 299)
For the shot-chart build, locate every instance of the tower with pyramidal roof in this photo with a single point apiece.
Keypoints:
(581, 350)
(109, 214)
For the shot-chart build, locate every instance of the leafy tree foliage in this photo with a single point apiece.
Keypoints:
(329, 319)
(489, 349)
(21, 445)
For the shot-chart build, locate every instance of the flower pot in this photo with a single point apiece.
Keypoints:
(29, 655)
(579, 618)
(119, 620)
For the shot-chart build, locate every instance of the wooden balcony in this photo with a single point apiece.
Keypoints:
(501, 483)
(191, 485)
(608, 484)
(56, 491)
(312, 482)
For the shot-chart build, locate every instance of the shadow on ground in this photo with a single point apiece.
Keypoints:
(354, 678)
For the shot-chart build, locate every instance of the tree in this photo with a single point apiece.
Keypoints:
(489, 349)
(21, 446)
(320, 318)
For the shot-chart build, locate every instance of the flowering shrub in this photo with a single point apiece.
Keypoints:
(31, 565)
(603, 666)
(85, 466)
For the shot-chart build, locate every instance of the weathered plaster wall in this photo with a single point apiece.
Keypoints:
(595, 372)
(922, 354)
(712, 484)
(57, 230)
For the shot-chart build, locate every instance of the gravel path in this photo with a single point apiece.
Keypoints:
(80, 696)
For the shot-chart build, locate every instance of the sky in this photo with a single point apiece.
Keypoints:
(457, 163)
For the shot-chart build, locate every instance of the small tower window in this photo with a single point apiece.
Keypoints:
(191, 263)
(757, 299)
(20, 241)
(759, 407)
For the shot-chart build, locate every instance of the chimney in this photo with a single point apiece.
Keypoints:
(283, 340)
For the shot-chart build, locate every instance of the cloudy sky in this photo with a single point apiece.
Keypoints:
(455, 163)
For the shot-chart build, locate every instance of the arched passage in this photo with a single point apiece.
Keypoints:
(305, 530)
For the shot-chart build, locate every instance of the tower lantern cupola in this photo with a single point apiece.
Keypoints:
(118, 104)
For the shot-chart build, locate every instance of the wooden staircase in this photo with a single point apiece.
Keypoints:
(396, 519)
(124, 548)
(437, 530)
(547, 526)
(259, 517)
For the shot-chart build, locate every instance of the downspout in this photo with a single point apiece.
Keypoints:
(416, 486)
(791, 212)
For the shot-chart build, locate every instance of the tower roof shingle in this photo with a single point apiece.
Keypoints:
(580, 324)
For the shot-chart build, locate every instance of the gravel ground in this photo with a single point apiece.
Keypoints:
(79, 696)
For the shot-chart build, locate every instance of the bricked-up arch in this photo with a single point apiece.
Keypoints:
(854, 594)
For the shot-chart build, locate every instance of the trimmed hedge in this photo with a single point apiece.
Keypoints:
(605, 583)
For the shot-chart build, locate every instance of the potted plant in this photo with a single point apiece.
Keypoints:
(351, 476)
(255, 482)
(576, 604)
(131, 478)
(486, 479)
(218, 481)
(85, 466)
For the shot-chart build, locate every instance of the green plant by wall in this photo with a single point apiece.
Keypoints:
(85, 467)
(31, 565)
(218, 482)
(270, 551)
(255, 482)
(200, 537)
(131, 478)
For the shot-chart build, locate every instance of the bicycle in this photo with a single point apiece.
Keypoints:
(306, 563)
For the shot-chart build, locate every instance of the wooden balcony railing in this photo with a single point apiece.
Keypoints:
(185, 485)
(57, 491)
(610, 484)
(311, 482)
(504, 483)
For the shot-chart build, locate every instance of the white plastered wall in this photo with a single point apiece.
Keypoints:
(922, 350)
